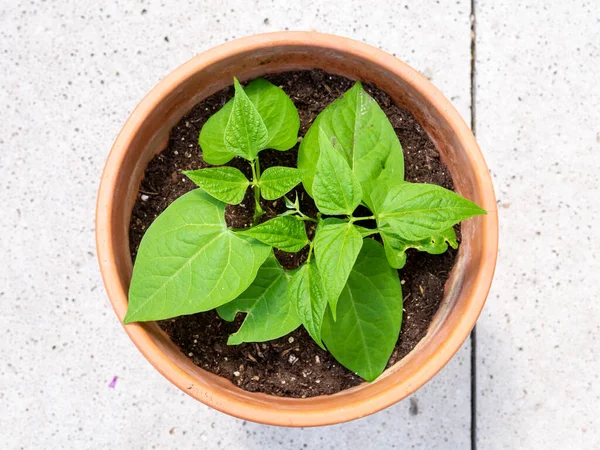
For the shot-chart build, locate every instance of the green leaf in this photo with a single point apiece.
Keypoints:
(246, 133)
(285, 233)
(395, 249)
(375, 191)
(417, 211)
(295, 205)
(306, 288)
(278, 114)
(395, 246)
(336, 246)
(336, 189)
(275, 182)
(270, 313)
(189, 261)
(369, 315)
(361, 132)
(227, 184)
(438, 243)
(365, 232)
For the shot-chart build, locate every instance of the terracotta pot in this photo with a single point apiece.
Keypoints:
(146, 133)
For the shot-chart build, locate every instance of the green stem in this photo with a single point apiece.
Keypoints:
(310, 251)
(306, 218)
(258, 211)
(356, 219)
(257, 162)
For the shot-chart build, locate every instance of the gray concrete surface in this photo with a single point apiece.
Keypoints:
(71, 72)
(538, 121)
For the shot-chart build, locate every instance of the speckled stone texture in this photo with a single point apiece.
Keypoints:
(72, 71)
(538, 120)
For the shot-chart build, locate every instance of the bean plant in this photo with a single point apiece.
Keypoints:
(347, 295)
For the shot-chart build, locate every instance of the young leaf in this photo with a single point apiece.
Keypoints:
(363, 135)
(285, 233)
(369, 315)
(246, 133)
(306, 289)
(336, 246)
(270, 313)
(275, 182)
(227, 184)
(395, 246)
(417, 211)
(278, 114)
(189, 261)
(336, 189)
(295, 205)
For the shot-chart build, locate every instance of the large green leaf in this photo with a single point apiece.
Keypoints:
(270, 313)
(336, 246)
(275, 182)
(418, 211)
(285, 233)
(278, 114)
(227, 184)
(189, 261)
(395, 246)
(362, 133)
(306, 288)
(336, 189)
(369, 315)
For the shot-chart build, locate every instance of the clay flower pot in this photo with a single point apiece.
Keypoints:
(146, 133)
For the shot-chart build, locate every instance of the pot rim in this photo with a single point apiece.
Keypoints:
(261, 411)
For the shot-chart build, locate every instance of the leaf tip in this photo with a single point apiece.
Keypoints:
(128, 319)
(369, 377)
(236, 84)
(320, 344)
(234, 340)
(479, 211)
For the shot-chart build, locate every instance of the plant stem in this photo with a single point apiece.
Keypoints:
(356, 219)
(257, 162)
(310, 249)
(258, 211)
(305, 217)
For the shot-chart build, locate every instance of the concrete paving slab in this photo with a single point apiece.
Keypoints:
(538, 122)
(71, 74)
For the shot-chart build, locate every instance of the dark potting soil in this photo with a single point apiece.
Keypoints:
(292, 366)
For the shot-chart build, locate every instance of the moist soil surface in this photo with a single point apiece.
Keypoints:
(292, 366)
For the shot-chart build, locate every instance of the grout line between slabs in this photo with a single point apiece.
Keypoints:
(474, 331)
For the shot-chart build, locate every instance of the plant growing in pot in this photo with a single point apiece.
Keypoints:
(442, 294)
(346, 292)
